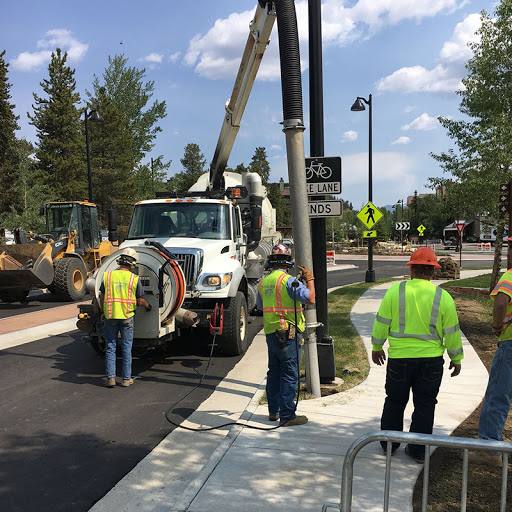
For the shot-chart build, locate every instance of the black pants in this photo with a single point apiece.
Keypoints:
(423, 376)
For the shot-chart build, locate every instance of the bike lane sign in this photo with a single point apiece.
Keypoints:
(323, 175)
(369, 215)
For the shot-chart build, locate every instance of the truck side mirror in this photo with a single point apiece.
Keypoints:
(112, 219)
(41, 210)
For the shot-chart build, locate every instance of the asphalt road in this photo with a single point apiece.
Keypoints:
(67, 440)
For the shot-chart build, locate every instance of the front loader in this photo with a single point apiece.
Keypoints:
(61, 259)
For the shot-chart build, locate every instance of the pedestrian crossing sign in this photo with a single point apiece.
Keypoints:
(369, 234)
(369, 215)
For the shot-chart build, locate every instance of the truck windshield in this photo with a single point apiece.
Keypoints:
(197, 220)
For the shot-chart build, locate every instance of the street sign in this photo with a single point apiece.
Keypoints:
(421, 228)
(369, 215)
(325, 208)
(504, 198)
(369, 234)
(403, 226)
(323, 175)
(460, 227)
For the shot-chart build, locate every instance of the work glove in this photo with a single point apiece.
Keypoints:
(307, 274)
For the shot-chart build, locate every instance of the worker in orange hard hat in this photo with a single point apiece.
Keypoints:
(420, 321)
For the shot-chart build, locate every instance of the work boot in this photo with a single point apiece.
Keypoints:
(485, 458)
(111, 382)
(273, 417)
(420, 459)
(298, 420)
(127, 382)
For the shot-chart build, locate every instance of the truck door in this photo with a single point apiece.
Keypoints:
(237, 234)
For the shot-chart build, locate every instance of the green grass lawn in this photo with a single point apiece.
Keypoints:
(482, 281)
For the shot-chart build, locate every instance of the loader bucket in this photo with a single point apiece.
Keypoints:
(25, 266)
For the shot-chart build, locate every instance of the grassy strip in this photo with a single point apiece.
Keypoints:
(481, 281)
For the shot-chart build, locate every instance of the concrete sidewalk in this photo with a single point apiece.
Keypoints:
(294, 468)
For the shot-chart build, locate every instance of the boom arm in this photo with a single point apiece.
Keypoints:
(257, 42)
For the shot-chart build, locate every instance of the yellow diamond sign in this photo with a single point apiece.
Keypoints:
(369, 215)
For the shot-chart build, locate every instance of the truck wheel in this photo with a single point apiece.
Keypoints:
(98, 344)
(70, 277)
(233, 341)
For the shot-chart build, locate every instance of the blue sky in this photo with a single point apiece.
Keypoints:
(409, 54)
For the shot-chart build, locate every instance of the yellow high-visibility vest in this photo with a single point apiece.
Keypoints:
(120, 301)
(505, 286)
(278, 306)
(420, 320)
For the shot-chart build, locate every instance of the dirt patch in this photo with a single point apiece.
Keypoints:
(484, 483)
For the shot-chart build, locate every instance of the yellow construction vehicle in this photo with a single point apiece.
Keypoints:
(60, 259)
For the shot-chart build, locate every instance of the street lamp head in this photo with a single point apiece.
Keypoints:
(95, 116)
(358, 106)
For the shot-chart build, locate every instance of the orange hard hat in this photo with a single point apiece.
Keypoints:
(424, 256)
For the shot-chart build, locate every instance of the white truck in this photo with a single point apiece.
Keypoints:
(205, 249)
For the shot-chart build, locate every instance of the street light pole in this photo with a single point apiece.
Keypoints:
(94, 115)
(358, 106)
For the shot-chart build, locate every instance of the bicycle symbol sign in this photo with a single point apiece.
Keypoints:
(323, 175)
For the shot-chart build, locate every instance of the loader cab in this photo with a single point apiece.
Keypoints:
(62, 218)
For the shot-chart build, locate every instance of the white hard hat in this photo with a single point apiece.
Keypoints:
(128, 257)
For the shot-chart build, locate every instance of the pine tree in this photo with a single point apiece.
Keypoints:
(193, 163)
(130, 95)
(259, 164)
(61, 147)
(8, 153)
(112, 162)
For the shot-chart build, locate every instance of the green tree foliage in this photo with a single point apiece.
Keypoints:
(61, 145)
(283, 210)
(8, 153)
(259, 164)
(32, 194)
(482, 159)
(193, 163)
(125, 87)
(112, 162)
(151, 178)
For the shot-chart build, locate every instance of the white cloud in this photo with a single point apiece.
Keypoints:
(422, 123)
(457, 49)
(174, 57)
(275, 147)
(56, 38)
(349, 136)
(409, 109)
(390, 167)
(447, 75)
(153, 58)
(420, 79)
(401, 141)
(217, 53)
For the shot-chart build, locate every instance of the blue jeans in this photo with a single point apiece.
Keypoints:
(282, 376)
(498, 394)
(110, 330)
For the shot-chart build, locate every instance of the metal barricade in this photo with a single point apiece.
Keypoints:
(463, 443)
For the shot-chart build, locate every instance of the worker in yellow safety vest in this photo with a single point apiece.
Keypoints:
(420, 322)
(120, 293)
(280, 298)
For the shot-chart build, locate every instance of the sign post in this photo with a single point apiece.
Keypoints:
(460, 229)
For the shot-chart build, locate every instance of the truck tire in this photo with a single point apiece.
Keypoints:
(98, 344)
(69, 280)
(233, 341)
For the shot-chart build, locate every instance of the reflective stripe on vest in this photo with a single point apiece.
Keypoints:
(433, 317)
(279, 310)
(120, 303)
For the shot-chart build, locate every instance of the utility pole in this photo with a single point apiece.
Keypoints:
(326, 363)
